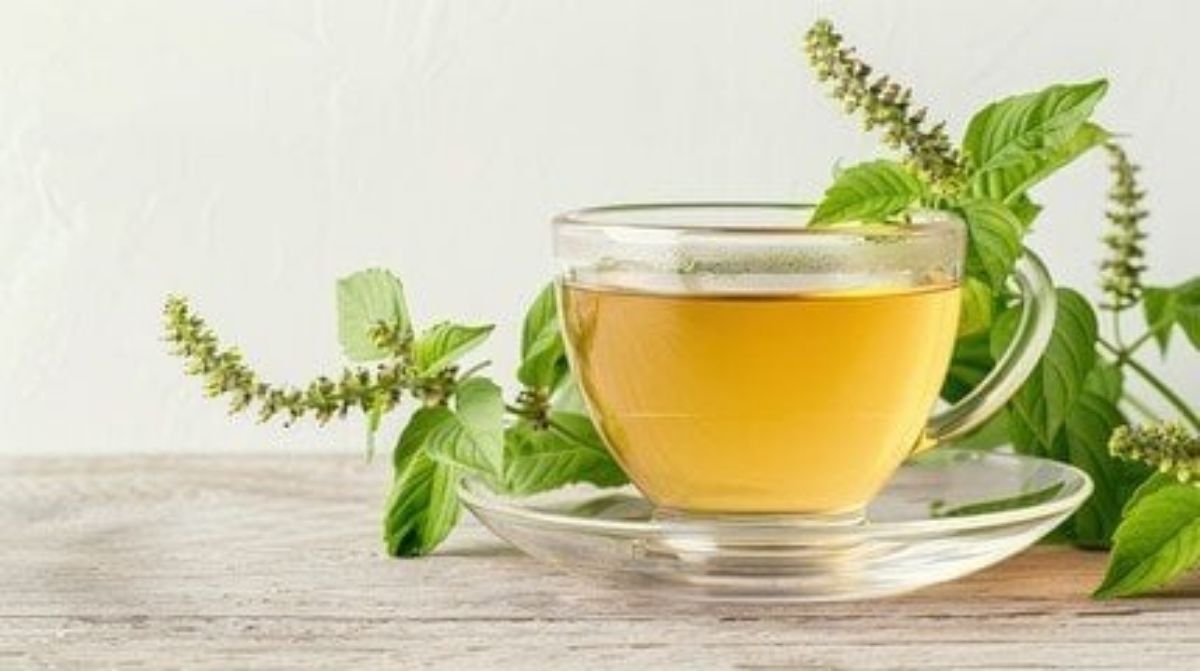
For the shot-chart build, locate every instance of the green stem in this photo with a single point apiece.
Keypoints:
(518, 411)
(1141, 340)
(1116, 326)
(474, 369)
(1153, 380)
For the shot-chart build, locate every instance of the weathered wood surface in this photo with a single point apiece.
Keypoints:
(275, 562)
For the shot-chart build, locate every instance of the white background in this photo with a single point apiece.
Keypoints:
(247, 153)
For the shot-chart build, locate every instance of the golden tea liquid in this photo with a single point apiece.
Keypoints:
(761, 403)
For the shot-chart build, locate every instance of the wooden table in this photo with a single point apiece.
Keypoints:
(275, 562)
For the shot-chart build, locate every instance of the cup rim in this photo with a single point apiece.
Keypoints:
(641, 216)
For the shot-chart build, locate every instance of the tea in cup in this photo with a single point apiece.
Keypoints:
(736, 361)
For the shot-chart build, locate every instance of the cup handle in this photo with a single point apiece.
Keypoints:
(1028, 343)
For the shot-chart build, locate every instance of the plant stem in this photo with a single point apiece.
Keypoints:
(1166, 392)
(1141, 340)
(1161, 387)
(474, 369)
(1116, 327)
(518, 411)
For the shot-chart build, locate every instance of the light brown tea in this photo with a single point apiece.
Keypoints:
(801, 402)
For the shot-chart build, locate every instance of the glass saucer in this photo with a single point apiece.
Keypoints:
(945, 514)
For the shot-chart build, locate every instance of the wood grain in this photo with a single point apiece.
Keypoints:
(275, 562)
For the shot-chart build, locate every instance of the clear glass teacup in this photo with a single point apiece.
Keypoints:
(736, 361)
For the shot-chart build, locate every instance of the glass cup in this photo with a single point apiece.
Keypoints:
(736, 361)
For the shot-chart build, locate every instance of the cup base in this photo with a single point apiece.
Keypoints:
(841, 518)
(754, 543)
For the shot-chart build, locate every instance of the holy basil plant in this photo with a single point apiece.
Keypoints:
(1073, 407)
(541, 440)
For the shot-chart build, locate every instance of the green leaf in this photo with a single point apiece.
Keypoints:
(1025, 209)
(1158, 541)
(540, 318)
(1066, 411)
(1158, 305)
(994, 234)
(1009, 182)
(1187, 310)
(1150, 485)
(991, 434)
(546, 367)
(365, 299)
(569, 398)
(472, 435)
(999, 505)
(543, 352)
(415, 435)
(976, 313)
(1006, 132)
(1105, 380)
(568, 451)
(445, 343)
(868, 192)
(422, 506)
(1168, 307)
(1089, 423)
(969, 364)
(1038, 411)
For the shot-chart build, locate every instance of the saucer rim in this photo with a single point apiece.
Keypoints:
(478, 495)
